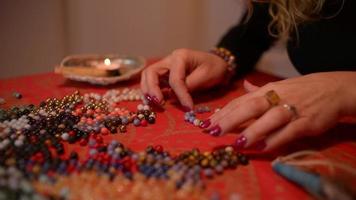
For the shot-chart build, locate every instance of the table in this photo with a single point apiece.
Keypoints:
(254, 181)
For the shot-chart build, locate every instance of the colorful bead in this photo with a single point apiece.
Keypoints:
(17, 95)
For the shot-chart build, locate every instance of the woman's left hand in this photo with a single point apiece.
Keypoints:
(309, 105)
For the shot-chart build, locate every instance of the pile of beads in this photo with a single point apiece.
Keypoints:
(13, 185)
(32, 140)
(114, 96)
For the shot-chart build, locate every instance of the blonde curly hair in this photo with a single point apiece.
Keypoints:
(288, 14)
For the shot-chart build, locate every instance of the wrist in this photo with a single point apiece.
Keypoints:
(227, 56)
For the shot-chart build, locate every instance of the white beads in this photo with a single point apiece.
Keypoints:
(65, 136)
(196, 122)
(140, 107)
(17, 124)
(115, 96)
(18, 143)
(146, 107)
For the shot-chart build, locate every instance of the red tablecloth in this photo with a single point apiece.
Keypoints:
(255, 181)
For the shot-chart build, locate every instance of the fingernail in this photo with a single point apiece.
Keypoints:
(215, 131)
(240, 142)
(205, 123)
(155, 100)
(186, 108)
(148, 97)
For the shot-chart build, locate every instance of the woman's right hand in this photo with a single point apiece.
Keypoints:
(187, 71)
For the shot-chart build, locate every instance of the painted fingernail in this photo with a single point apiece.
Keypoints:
(155, 100)
(215, 131)
(205, 123)
(240, 142)
(186, 108)
(148, 98)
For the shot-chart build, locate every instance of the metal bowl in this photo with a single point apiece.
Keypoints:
(101, 69)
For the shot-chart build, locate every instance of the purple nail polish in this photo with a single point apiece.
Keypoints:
(215, 131)
(205, 124)
(241, 142)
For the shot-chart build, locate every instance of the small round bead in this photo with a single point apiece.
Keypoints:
(124, 120)
(65, 136)
(208, 172)
(143, 122)
(196, 122)
(17, 95)
(122, 128)
(141, 116)
(18, 143)
(146, 107)
(140, 107)
(104, 131)
(151, 120)
(136, 122)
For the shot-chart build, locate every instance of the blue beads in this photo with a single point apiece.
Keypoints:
(208, 172)
(136, 122)
(124, 120)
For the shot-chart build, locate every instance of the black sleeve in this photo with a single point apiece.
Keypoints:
(249, 40)
(328, 44)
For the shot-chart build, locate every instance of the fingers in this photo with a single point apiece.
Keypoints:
(249, 87)
(227, 109)
(292, 131)
(272, 120)
(253, 108)
(177, 82)
(150, 80)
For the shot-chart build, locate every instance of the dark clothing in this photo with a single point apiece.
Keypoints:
(327, 44)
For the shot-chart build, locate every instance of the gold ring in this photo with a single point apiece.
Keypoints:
(272, 98)
(291, 109)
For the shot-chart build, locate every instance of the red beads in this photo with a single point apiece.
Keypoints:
(158, 148)
(83, 142)
(143, 122)
(104, 131)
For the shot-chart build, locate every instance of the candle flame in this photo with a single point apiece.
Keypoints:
(107, 62)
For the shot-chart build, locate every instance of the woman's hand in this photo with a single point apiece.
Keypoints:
(187, 71)
(319, 99)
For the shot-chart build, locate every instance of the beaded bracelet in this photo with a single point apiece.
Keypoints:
(227, 56)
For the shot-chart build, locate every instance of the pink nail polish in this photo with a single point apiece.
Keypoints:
(155, 100)
(205, 124)
(215, 131)
(240, 142)
(148, 97)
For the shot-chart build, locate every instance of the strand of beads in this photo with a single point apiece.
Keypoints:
(190, 116)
